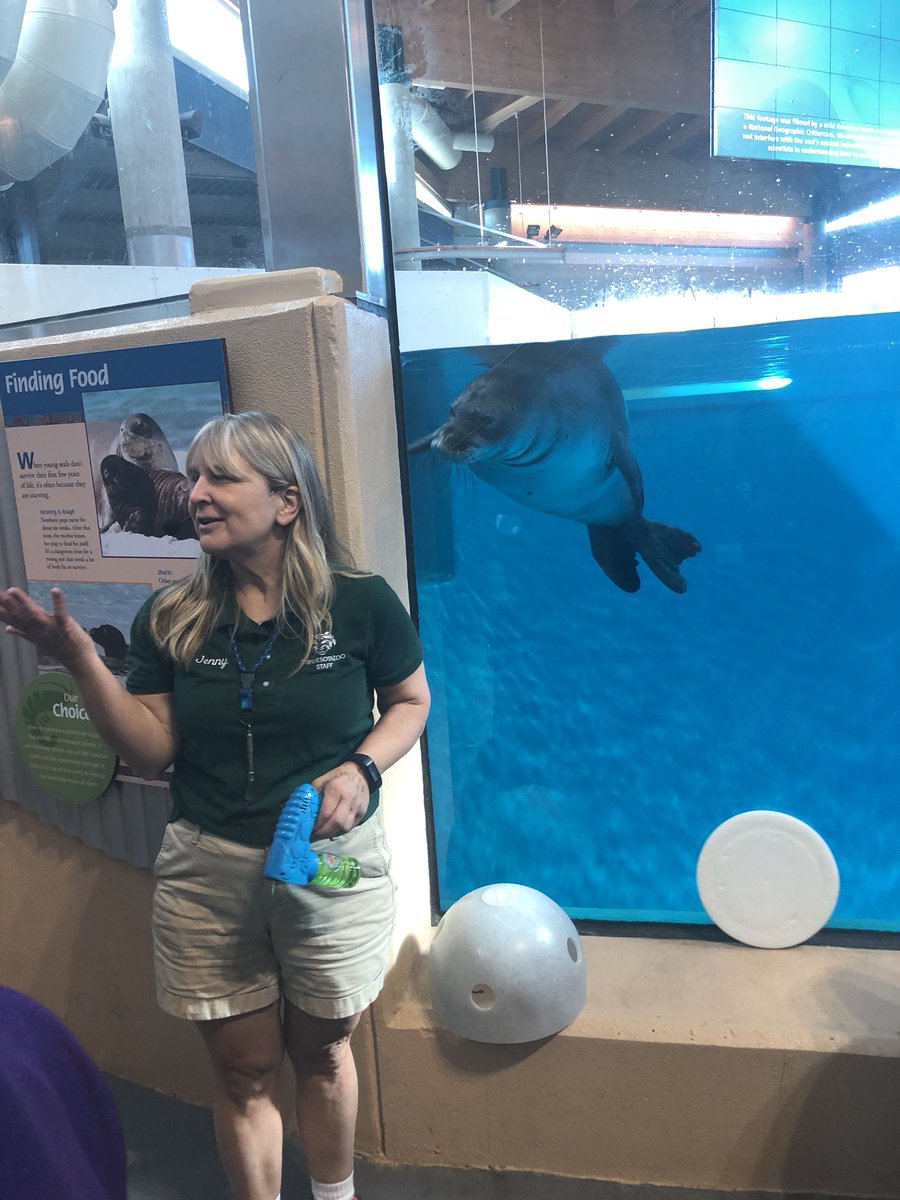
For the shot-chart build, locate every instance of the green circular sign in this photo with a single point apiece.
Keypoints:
(59, 744)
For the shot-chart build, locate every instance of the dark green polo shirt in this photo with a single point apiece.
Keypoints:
(303, 724)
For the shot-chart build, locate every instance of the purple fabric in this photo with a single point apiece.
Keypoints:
(60, 1134)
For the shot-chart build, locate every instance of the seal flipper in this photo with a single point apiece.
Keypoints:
(627, 465)
(662, 547)
(612, 552)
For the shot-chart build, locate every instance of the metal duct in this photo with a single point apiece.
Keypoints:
(54, 85)
(147, 135)
(430, 132)
(11, 13)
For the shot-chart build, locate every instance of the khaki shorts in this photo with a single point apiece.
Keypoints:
(228, 941)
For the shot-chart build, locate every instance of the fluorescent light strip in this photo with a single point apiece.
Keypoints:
(771, 383)
(881, 210)
(426, 195)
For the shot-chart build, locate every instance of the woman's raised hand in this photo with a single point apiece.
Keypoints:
(55, 634)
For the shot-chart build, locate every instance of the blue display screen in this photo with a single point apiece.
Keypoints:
(807, 80)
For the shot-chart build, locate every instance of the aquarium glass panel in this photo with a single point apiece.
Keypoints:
(647, 395)
(586, 739)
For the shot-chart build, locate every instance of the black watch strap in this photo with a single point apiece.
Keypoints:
(370, 772)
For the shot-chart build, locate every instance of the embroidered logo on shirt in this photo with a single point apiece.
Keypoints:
(320, 658)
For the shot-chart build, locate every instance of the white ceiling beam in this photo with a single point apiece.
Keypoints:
(496, 8)
(489, 124)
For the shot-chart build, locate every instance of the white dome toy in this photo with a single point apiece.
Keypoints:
(506, 965)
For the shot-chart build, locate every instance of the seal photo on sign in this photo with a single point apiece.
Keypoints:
(138, 440)
(150, 502)
(111, 641)
(547, 426)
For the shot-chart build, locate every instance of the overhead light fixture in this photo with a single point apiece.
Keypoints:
(881, 210)
(426, 195)
(644, 226)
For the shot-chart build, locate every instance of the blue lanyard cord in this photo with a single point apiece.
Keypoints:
(247, 677)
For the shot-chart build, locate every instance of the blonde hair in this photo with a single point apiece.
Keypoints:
(183, 615)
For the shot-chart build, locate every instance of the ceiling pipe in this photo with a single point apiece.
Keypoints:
(429, 131)
(148, 138)
(11, 13)
(54, 85)
(436, 139)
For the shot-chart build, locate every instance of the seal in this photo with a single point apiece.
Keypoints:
(142, 442)
(110, 639)
(139, 440)
(154, 503)
(113, 645)
(547, 426)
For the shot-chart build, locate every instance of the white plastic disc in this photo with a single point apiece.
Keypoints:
(767, 879)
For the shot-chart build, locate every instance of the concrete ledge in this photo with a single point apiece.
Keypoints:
(697, 1065)
(272, 287)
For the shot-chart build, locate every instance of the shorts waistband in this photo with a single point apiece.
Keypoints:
(198, 836)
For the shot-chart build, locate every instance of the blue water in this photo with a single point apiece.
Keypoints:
(584, 741)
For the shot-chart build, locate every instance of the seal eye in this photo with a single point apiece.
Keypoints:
(482, 422)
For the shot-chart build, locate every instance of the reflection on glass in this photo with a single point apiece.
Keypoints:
(79, 157)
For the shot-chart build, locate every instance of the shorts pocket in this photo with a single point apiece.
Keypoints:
(166, 850)
(380, 857)
(366, 843)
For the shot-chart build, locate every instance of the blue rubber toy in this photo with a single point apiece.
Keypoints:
(290, 858)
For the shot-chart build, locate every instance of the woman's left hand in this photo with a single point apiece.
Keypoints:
(345, 800)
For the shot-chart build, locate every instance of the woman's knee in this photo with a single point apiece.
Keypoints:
(245, 1081)
(246, 1057)
(318, 1047)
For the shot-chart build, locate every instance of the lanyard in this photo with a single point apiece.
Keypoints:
(246, 694)
(247, 677)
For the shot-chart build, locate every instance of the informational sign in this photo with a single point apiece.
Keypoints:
(97, 446)
(58, 742)
(807, 81)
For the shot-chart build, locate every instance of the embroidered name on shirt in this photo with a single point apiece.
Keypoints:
(203, 661)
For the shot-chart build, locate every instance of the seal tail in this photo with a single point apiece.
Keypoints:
(662, 547)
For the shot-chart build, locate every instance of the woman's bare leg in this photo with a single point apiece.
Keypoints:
(246, 1053)
(327, 1091)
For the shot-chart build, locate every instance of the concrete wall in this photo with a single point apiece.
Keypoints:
(700, 1064)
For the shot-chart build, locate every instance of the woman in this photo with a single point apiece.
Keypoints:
(253, 675)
